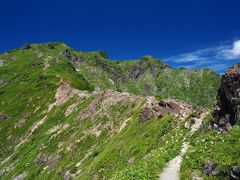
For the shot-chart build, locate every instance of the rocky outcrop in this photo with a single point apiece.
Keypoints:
(154, 109)
(145, 114)
(101, 106)
(71, 56)
(227, 110)
(210, 169)
(139, 69)
(114, 72)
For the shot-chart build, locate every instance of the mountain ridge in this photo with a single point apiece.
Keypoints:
(136, 76)
(67, 114)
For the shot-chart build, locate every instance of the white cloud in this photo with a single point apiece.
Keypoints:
(231, 53)
(218, 57)
(223, 52)
(187, 57)
(236, 48)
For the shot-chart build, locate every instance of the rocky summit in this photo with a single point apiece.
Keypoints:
(68, 114)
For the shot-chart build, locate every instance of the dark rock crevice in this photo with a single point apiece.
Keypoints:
(114, 72)
(71, 56)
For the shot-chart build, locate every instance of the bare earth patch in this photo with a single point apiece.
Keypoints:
(63, 94)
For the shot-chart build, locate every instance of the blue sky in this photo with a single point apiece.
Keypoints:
(190, 33)
(217, 57)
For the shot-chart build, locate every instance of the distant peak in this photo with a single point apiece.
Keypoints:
(147, 58)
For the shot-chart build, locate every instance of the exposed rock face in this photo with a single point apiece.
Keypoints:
(142, 65)
(105, 100)
(154, 109)
(145, 114)
(138, 70)
(68, 54)
(227, 111)
(115, 73)
(71, 56)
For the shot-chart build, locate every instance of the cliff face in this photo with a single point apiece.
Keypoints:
(227, 111)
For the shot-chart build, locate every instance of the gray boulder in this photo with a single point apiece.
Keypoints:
(3, 117)
(235, 173)
(210, 169)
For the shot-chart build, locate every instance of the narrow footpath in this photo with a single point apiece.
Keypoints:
(171, 171)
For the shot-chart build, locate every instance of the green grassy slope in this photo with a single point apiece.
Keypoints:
(206, 145)
(198, 86)
(54, 123)
(28, 87)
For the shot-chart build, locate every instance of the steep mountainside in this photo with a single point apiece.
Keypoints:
(66, 114)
